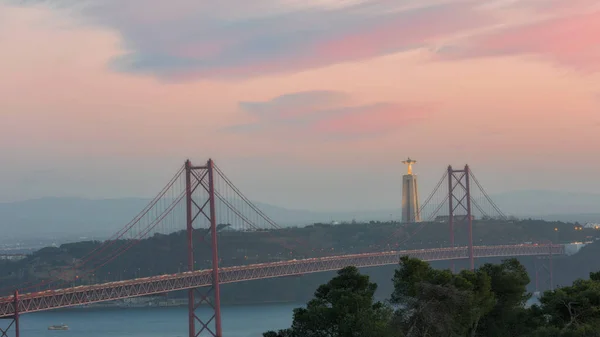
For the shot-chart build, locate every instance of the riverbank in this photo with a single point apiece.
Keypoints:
(141, 302)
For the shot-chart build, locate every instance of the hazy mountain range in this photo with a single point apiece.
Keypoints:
(71, 218)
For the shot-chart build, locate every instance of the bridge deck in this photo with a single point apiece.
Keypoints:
(53, 299)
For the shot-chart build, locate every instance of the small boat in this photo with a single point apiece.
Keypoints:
(58, 327)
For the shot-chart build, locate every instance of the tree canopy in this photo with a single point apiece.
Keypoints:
(487, 302)
(570, 311)
(344, 307)
(434, 302)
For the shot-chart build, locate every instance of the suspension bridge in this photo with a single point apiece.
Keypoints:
(196, 197)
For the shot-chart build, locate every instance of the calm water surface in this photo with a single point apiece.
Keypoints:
(238, 321)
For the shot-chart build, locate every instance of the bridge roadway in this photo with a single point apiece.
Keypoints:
(60, 298)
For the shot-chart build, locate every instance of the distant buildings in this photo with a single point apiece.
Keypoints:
(445, 218)
(12, 257)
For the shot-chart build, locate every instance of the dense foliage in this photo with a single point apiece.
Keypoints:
(345, 306)
(487, 302)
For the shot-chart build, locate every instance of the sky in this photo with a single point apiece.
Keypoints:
(306, 104)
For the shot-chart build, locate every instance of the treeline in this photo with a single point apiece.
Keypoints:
(487, 302)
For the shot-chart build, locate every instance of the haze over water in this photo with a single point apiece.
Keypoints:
(238, 321)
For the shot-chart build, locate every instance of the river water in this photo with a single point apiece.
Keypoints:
(238, 321)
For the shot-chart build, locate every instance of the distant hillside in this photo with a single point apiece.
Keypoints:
(60, 217)
(162, 254)
(551, 205)
(70, 218)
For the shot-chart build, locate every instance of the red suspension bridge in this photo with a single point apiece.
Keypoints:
(196, 197)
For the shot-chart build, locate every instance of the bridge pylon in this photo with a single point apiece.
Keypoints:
(544, 273)
(13, 319)
(459, 201)
(200, 205)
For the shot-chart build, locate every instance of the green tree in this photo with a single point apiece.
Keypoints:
(280, 333)
(344, 307)
(508, 317)
(438, 303)
(557, 332)
(572, 310)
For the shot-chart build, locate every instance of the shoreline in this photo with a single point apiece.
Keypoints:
(174, 303)
(150, 305)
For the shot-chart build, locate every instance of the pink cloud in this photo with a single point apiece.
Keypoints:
(573, 41)
(327, 114)
(562, 7)
(190, 40)
(372, 120)
(60, 107)
(404, 32)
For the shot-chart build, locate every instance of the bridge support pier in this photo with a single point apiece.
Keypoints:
(13, 320)
(200, 195)
(544, 274)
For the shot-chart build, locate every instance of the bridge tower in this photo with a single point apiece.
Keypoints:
(202, 206)
(14, 319)
(410, 195)
(459, 202)
(544, 271)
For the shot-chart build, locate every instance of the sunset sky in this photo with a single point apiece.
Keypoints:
(309, 104)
